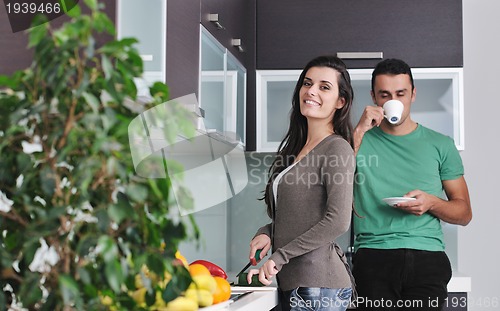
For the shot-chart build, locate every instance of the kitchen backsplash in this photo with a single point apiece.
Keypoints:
(226, 229)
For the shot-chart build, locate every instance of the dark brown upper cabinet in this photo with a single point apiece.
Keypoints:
(232, 23)
(424, 33)
(14, 52)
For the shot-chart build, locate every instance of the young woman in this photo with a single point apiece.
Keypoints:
(309, 194)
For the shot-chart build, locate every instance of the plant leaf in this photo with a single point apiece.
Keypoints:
(30, 289)
(160, 90)
(71, 9)
(7, 81)
(85, 244)
(36, 35)
(138, 193)
(180, 282)
(122, 209)
(50, 303)
(84, 275)
(92, 101)
(155, 263)
(69, 289)
(174, 232)
(3, 303)
(114, 275)
(107, 67)
(103, 23)
(92, 4)
(108, 248)
(47, 180)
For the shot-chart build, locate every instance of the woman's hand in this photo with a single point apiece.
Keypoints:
(261, 241)
(266, 273)
(268, 269)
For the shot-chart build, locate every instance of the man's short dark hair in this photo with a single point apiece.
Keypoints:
(392, 66)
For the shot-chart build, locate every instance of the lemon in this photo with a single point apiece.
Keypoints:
(159, 302)
(139, 295)
(206, 282)
(201, 296)
(138, 281)
(180, 304)
(183, 259)
(106, 300)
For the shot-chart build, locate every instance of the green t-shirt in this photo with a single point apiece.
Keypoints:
(391, 166)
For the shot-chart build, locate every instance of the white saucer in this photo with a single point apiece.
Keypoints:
(395, 200)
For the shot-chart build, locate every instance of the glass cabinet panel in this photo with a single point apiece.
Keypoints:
(212, 82)
(439, 102)
(236, 95)
(279, 93)
(222, 88)
(145, 21)
(274, 101)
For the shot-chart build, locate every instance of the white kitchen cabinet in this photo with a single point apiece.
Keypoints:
(439, 104)
(274, 91)
(147, 22)
(222, 91)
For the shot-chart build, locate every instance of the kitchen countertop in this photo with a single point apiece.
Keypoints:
(459, 283)
(261, 298)
(265, 298)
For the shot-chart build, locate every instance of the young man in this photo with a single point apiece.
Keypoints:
(400, 261)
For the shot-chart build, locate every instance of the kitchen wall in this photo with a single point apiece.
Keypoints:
(478, 251)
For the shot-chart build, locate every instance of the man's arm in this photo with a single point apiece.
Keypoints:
(372, 116)
(456, 210)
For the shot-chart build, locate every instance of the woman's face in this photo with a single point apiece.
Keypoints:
(319, 94)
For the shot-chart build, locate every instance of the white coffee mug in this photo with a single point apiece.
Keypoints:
(392, 110)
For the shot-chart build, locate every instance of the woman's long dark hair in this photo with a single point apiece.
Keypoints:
(296, 136)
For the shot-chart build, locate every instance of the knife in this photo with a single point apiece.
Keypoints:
(238, 296)
(252, 262)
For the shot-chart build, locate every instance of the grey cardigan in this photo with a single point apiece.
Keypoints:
(313, 208)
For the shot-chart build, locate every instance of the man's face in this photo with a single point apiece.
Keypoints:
(387, 87)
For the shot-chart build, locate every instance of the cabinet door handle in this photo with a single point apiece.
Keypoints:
(360, 55)
(147, 57)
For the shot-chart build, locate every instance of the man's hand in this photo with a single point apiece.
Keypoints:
(423, 203)
(456, 210)
(372, 116)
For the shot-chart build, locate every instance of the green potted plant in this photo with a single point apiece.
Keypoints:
(79, 230)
